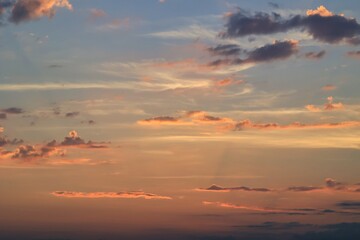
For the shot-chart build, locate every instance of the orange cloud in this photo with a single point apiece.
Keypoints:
(25, 10)
(321, 10)
(95, 195)
(187, 118)
(312, 108)
(248, 208)
(330, 105)
(227, 82)
(247, 124)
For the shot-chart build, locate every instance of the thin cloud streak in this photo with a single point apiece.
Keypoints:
(96, 195)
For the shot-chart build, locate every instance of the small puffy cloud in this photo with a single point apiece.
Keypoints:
(74, 140)
(321, 11)
(95, 195)
(32, 153)
(27, 10)
(331, 105)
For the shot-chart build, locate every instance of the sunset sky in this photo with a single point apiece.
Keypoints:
(179, 119)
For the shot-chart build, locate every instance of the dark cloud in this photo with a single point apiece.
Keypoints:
(74, 140)
(215, 188)
(325, 28)
(280, 225)
(315, 55)
(3, 116)
(330, 184)
(349, 204)
(270, 52)
(31, 152)
(26, 10)
(303, 189)
(225, 50)
(4, 141)
(12, 110)
(340, 231)
(72, 114)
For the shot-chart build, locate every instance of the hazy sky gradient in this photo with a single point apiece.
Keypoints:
(179, 119)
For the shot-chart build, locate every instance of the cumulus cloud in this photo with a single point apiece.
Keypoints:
(320, 23)
(215, 188)
(4, 141)
(74, 140)
(321, 10)
(127, 195)
(331, 105)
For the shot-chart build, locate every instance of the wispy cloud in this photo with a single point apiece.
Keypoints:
(95, 195)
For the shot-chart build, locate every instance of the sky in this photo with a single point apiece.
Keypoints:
(179, 119)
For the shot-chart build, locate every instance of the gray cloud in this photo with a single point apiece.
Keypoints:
(325, 28)
(72, 114)
(270, 52)
(225, 50)
(215, 188)
(12, 110)
(315, 55)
